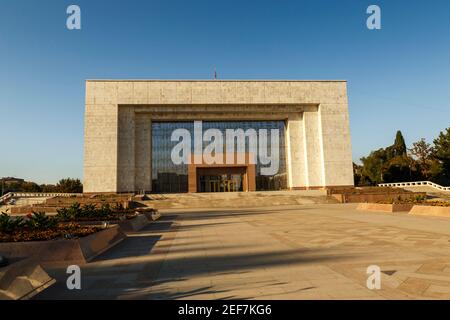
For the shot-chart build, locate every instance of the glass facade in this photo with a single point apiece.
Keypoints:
(168, 177)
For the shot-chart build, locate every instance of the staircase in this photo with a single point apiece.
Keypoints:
(236, 199)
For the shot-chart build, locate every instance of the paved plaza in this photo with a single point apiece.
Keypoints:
(290, 252)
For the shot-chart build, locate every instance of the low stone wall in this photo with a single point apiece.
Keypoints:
(22, 280)
(431, 211)
(150, 212)
(76, 251)
(134, 224)
(64, 201)
(384, 207)
(152, 216)
(35, 208)
(130, 225)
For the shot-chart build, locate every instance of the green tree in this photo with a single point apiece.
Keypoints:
(49, 188)
(398, 148)
(398, 169)
(441, 152)
(30, 187)
(69, 185)
(421, 153)
(391, 164)
(372, 169)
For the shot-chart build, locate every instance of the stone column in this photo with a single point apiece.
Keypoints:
(126, 150)
(100, 148)
(312, 135)
(143, 153)
(295, 153)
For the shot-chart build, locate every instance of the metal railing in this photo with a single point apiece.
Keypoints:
(10, 195)
(415, 184)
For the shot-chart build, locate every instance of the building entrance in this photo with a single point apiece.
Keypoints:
(221, 183)
(231, 179)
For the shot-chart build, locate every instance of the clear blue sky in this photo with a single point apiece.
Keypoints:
(398, 77)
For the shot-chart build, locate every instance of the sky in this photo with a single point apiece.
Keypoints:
(398, 77)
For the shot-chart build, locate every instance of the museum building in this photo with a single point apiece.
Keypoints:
(130, 124)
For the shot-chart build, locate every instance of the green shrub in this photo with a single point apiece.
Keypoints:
(70, 213)
(104, 211)
(89, 210)
(10, 224)
(119, 207)
(39, 221)
(419, 198)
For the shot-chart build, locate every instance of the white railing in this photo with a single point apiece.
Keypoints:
(11, 195)
(415, 184)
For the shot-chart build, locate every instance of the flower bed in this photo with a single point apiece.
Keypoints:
(64, 251)
(39, 227)
(90, 212)
(50, 239)
(373, 195)
(129, 220)
(72, 222)
(436, 204)
(62, 231)
(416, 201)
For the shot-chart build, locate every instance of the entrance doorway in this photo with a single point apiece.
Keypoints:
(224, 179)
(221, 183)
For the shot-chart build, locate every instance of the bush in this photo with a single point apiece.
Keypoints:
(88, 210)
(104, 211)
(420, 198)
(70, 213)
(39, 221)
(70, 185)
(9, 224)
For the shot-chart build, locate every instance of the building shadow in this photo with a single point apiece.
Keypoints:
(139, 267)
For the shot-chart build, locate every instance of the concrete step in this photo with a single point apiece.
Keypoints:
(237, 199)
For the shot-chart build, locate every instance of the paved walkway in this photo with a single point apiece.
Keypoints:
(296, 252)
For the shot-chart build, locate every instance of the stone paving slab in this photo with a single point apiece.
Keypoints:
(289, 252)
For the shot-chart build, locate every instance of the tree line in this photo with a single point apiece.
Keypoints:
(67, 185)
(397, 163)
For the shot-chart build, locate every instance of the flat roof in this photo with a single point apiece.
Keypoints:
(206, 80)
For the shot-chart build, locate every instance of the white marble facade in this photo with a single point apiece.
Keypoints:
(118, 116)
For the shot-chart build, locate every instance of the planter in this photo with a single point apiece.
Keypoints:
(22, 280)
(431, 211)
(385, 207)
(151, 213)
(135, 224)
(152, 216)
(129, 225)
(62, 251)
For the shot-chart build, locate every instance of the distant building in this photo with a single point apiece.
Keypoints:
(10, 180)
